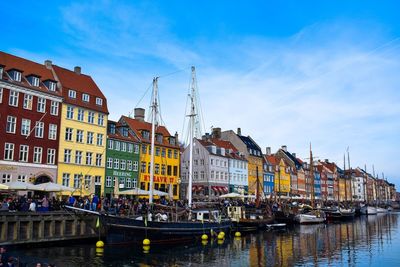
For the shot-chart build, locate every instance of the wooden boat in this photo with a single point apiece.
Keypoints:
(310, 217)
(248, 220)
(332, 213)
(347, 213)
(368, 210)
(381, 210)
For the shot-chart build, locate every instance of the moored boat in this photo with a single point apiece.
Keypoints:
(310, 217)
(347, 213)
(381, 210)
(368, 210)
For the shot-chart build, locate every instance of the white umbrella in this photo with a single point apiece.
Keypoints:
(231, 195)
(134, 192)
(20, 186)
(3, 187)
(53, 187)
(160, 193)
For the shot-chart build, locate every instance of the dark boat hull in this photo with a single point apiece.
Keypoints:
(126, 230)
(251, 225)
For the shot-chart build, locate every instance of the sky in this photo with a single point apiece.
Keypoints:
(286, 72)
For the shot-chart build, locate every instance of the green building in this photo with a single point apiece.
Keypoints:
(122, 157)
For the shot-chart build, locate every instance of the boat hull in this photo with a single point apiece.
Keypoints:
(368, 210)
(309, 219)
(126, 230)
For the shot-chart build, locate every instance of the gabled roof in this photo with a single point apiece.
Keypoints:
(82, 84)
(27, 67)
(118, 135)
(250, 143)
(218, 143)
(224, 144)
(137, 126)
(271, 159)
(293, 158)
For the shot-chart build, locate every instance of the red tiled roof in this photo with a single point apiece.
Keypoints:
(81, 83)
(224, 144)
(27, 68)
(272, 159)
(137, 126)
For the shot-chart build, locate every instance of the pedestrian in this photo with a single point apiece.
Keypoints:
(3, 256)
(95, 201)
(32, 205)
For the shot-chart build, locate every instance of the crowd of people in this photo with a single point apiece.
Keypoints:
(6, 260)
(43, 203)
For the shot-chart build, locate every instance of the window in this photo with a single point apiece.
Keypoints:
(89, 138)
(70, 112)
(71, 94)
(169, 153)
(23, 153)
(163, 169)
(212, 175)
(129, 165)
(89, 158)
(99, 158)
(78, 157)
(130, 148)
(85, 97)
(11, 124)
(37, 154)
(39, 129)
(123, 146)
(144, 149)
(163, 152)
(52, 86)
(21, 178)
(81, 114)
(128, 183)
(116, 163)
(110, 144)
(41, 105)
(175, 154)
(13, 99)
(117, 145)
(51, 156)
(135, 166)
(28, 99)
(169, 170)
(6, 178)
(157, 151)
(136, 149)
(143, 167)
(97, 180)
(77, 181)
(67, 155)
(123, 164)
(52, 131)
(109, 163)
(99, 139)
(100, 120)
(202, 175)
(108, 181)
(88, 181)
(79, 136)
(35, 81)
(65, 179)
(16, 76)
(202, 162)
(90, 117)
(54, 108)
(25, 127)
(68, 134)
(99, 101)
(157, 168)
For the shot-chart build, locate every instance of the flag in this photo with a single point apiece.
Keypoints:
(98, 222)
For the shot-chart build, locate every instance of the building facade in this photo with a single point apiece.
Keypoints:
(122, 159)
(166, 154)
(30, 102)
(83, 130)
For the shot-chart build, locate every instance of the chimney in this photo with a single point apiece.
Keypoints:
(176, 134)
(48, 64)
(239, 131)
(327, 160)
(294, 155)
(139, 114)
(77, 70)
(205, 137)
(216, 133)
(284, 148)
(268, 151)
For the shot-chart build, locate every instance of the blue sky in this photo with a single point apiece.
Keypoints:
(287, 73)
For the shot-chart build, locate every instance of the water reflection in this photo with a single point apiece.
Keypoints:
(370, 241)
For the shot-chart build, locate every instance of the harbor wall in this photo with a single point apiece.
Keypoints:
(24, 228)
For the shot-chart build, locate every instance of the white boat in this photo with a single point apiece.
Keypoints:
(311, 217)
(381, 210)
(368, 210)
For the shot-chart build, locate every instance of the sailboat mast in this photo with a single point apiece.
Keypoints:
(154, 109)
(312, 178)
(191, 134)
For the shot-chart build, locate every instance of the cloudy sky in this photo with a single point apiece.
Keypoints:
(287, 74)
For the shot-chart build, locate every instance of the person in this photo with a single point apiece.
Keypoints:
(71, 200)
(95, 201)
(45, 204)
(32, 205)
(3, 256)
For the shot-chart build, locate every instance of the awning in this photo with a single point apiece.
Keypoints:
(215, 188)
(200, 188)
(220, 189)
(194, 188)
(225, 189)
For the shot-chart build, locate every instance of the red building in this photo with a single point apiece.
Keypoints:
(324, 182)
(30, 107)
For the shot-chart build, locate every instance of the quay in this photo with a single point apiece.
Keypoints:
(25, 228)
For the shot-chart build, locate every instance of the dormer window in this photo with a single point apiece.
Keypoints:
(99, 101)
(85, 97)
(52, 86)
(112, 128)
(71, 93)
(33, 80)
(172, 141)
(15, 75)
(1, 72)
(125, 131)
(159, 138)
(146, 135)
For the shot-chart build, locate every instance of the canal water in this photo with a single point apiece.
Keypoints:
(364, 241)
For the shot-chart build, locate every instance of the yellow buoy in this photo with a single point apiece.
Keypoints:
(99, 244)
(204, 242)
(237, 234)
(204, 237)
(220, 241)
(222, 233)
(238, 238)
(99, 252)
(220, 236)
(146, 242)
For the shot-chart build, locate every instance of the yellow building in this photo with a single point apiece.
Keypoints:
(282, 178)
(82, 133)
(254, 163)
(166, 158)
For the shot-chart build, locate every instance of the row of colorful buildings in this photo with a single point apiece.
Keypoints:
(55, 128)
